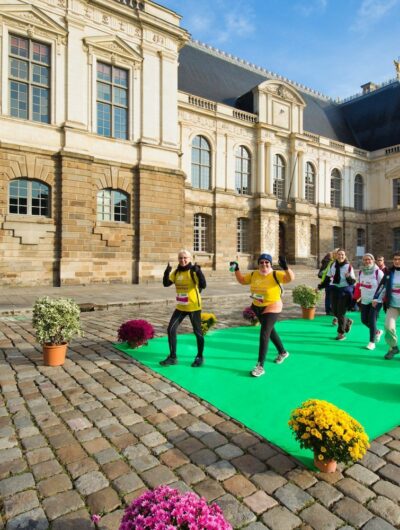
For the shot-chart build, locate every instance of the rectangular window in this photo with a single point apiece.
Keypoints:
(337, 237)
(396, 192)
(112, 101)
(242, 235)
(29, 79)
(396, 239)
(201, 233)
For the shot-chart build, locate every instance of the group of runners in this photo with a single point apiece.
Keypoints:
(371, 288)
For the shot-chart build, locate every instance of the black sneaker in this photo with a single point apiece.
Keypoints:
(348, 325)
(391, 353)
(169, 361)
(197, 362)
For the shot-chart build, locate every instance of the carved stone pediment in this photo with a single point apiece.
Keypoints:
(113, 45)
(30, 18)
(281, 90)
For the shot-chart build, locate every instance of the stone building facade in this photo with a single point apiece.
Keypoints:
(109, 164)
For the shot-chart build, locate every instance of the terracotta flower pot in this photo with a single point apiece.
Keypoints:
(54, 354)
(326, 466)
(308, 312)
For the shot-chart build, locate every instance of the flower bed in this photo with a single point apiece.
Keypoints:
(165, 508)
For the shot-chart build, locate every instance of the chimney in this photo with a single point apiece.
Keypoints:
(369, 87)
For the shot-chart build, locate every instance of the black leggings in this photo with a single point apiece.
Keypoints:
(340, 302)
(267, 321)
(369, 314)
(176, 319)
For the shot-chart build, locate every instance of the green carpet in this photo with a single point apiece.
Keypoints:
(345, 373)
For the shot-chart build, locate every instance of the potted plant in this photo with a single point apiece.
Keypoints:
(307, 297)
(208, 320)
(167, 508)
(332, 434)
(135, 332)
(250, 316)
(56, 321)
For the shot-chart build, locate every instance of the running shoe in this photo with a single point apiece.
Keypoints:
(281, 357)
(348, 325)
(391, 353)
(197, 362)
(341, 336)
(370, 346)
(257, 371)
(378, 335)
(169, 361)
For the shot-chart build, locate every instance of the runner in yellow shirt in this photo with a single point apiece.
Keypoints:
(266, 293)
(188, 280)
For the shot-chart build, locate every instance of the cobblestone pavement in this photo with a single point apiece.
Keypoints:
(92, 435)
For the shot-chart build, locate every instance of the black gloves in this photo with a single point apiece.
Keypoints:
(283, 263)
(166, 281)
(233, 266)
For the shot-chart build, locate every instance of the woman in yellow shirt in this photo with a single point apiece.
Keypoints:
(188, 280)
(267, 304)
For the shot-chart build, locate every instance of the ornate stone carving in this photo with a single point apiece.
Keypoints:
(30, 18)
(112, 46)
(268, 237)
(302, 239)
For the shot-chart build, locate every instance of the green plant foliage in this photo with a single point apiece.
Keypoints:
(305, 296)
(56, 320)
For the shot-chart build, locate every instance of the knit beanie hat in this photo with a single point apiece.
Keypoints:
(267, 257)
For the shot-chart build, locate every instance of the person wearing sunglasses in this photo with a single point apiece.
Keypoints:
(189, 281)
(266, 293)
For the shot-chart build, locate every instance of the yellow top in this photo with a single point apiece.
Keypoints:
(187, 291)
(264, 289)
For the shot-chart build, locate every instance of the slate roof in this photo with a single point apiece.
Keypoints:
(369, 122)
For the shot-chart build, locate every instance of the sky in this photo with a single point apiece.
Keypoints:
(332, 46)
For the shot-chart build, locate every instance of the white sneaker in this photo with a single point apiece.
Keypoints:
(257, 371)
(281, 357)
(378, 335)
(371, 346)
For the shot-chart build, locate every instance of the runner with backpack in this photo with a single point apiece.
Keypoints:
(189, 281)
(266, 292)
(369, 278)
(341, 278)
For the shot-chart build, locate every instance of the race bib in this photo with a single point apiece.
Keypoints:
(258, 297)
(182, 298)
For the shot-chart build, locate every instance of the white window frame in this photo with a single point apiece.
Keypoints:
(242, 235)
(201, 232)
(279, 177)
(113, 51)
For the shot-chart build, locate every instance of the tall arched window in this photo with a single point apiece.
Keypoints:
(336, 189)
(112, 205)
(242, 170)
(201, 233)
(201, 163)
(310, 183)
(28, 197)
(359, 193)
(242, 232)
(279, 177)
